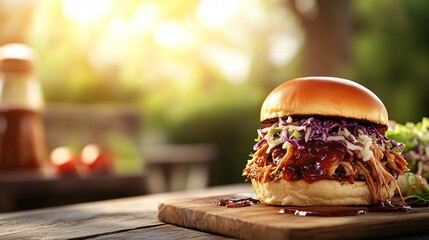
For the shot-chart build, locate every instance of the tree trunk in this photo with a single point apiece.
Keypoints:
(327, 29)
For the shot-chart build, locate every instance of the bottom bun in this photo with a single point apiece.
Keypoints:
(322, 192)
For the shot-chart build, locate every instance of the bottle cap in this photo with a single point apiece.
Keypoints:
(17, 57)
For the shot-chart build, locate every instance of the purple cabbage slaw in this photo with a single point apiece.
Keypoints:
(420, 152)
(348, 133)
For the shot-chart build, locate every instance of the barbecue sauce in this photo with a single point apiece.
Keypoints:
(321, 211)
(390, 206)
(337, 211)
(324, 211)
(314, 161)
(22, 139)
(237, 202)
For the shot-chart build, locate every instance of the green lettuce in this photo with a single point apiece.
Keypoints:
(415, 136)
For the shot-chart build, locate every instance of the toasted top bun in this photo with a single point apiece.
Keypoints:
(322, 192)
(323, 96)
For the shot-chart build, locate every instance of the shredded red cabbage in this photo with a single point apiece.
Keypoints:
(321, 130)
(420, 152)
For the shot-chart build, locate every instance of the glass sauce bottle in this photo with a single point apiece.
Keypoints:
(22, 138)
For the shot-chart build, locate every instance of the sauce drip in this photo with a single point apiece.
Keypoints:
(237, 202)
(389, 206)
(336, 211)
(417, 204)
(324, 211)
(321, 211)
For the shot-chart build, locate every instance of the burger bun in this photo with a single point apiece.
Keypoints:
(322, 192)
(323, 96)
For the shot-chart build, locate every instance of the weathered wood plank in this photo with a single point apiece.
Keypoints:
(74, 223)
(162, 232)
(264, 222)
(89, 220)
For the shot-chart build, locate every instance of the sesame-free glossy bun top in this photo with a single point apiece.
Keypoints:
(323, 96)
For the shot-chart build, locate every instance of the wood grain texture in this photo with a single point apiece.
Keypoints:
(162, 232)
(128, 218)
(73, 223)
(265, 222)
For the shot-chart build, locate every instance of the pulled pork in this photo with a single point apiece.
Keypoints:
(315, 160)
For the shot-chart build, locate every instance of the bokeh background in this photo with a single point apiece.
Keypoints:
(197, 71)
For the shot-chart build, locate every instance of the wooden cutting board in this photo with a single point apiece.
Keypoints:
(265, 222)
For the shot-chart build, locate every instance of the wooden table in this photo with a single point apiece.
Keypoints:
(126, 218)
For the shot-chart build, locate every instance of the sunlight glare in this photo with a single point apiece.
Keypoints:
(282, 49)
(172, 35)
(215, 13)
(85, 12)
(145, 17)
(233, 64)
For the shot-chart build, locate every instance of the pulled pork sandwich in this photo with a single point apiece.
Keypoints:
(324, 143)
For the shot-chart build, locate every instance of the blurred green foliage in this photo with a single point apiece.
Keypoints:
(227, 117)
(391, 54)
